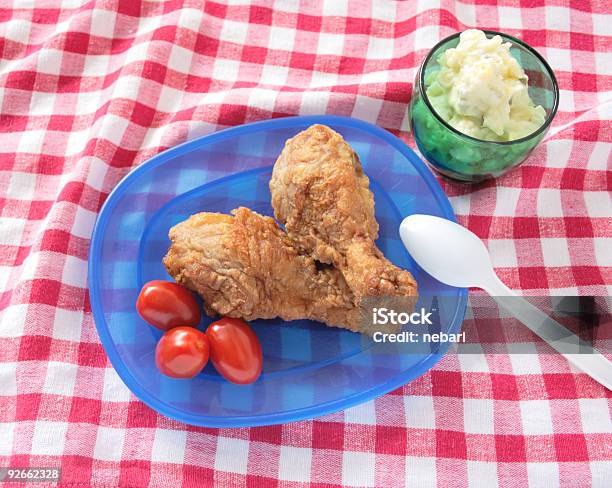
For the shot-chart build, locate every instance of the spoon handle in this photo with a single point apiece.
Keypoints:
(561, 339)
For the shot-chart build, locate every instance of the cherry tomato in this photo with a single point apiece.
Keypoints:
(235, 350)
(182, 352)
(166, 305)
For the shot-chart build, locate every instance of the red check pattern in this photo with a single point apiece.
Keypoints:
(90, 89)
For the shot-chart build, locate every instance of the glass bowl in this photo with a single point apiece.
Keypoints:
(463, 157)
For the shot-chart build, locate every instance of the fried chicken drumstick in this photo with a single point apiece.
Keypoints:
(325, 267)
(321, 195)
(243, 265)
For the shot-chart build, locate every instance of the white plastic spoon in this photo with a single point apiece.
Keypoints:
(453, 255)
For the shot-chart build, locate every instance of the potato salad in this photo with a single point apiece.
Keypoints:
(481, 90)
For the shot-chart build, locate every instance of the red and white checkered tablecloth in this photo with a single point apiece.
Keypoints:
(91, 89)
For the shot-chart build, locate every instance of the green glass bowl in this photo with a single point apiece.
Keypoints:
(463, 157)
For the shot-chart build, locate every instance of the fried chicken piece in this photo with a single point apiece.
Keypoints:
(245, 266)
(321, 195)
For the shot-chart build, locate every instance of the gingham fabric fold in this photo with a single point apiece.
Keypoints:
(91, 89)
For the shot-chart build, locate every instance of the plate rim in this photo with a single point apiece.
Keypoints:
(287, 415)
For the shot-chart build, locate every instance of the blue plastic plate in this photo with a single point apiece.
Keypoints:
(309, 369)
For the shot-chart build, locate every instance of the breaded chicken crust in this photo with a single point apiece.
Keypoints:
(244, 265)
(321, 195)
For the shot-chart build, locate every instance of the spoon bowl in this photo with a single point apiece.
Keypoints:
(447, 251)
